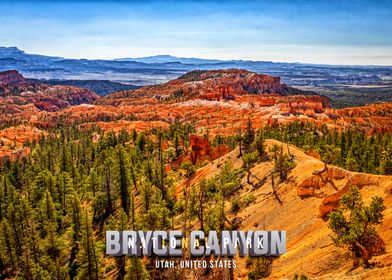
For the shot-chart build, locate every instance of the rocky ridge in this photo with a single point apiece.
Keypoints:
(21, 99)
(217, 102)
(305, 200)
(206, 85)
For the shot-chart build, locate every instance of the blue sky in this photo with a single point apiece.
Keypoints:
(333, 32)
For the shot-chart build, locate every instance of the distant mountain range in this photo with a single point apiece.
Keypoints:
(171, 59)
(161, 68)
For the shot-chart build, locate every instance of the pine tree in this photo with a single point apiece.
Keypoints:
(386, 161)
(8, 255)
(88, 254)
(283, 162)
(259, 143)
(329, 154)
(119, 222)
(76, 234)
(239, 139)
(248, 137)
(353, 225)
(249, 160)
(123, 179)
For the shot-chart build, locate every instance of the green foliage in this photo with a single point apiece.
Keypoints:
(88, 254)
(261, 267)
(235, 205)
(353, 226)
(351, 149)
(248, 199)
(157, 216)
(283, 162)
(300, 277)
(78, 187)
(123, 178)
(330, 153)
(259, 143)
(249, 160)
(248, 137)
(189, 168)
(137, 270)
(141, 141)
(55, 204)
(206, 201)
(229, 180)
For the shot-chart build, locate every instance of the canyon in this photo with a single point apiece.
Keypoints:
(203, 97)
(217, 102)
(222, 102)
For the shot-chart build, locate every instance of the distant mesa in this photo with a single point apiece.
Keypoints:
(171, 59)
(10, 51)
(239, 80)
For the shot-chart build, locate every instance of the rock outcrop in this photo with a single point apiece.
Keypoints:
(21, 99)
(236, 81)
(12, 77)
(211, 85)
(200, 150)
(336, 179)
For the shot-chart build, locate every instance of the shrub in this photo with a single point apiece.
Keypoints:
(261, 268)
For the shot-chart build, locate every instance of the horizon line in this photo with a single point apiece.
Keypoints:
(181, 57)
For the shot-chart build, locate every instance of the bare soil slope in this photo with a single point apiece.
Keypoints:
(306, 198)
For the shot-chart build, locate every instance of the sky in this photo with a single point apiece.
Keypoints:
(328, 32)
